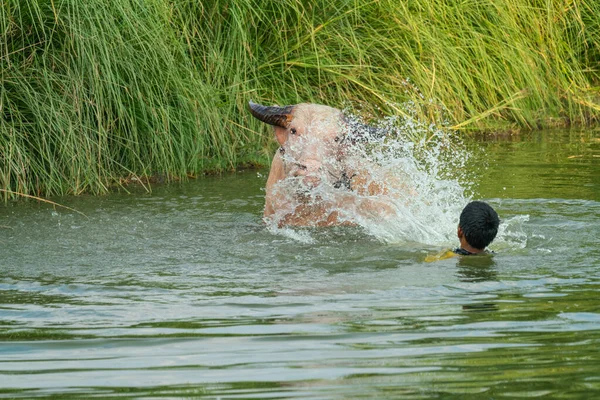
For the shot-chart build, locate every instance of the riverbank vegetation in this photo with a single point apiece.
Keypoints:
(97, 92)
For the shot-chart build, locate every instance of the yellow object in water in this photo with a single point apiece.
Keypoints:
(442, 255)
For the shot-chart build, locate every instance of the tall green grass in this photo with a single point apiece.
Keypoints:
(95, 91)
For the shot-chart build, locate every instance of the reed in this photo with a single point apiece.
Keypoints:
(94, 93)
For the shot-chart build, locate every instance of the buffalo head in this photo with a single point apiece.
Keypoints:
(313, 140)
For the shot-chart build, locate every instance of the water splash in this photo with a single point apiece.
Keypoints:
(511, 234)
(408, 182)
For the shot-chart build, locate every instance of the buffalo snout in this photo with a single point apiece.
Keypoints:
(310, 173)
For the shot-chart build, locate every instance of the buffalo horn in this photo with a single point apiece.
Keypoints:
(272, 115)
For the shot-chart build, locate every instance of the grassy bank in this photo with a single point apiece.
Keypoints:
(97, 90)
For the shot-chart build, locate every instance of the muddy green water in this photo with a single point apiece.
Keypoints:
(183, 293)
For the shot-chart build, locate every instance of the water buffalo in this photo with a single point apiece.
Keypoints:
(312, 182)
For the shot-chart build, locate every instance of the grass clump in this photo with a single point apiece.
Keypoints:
(97, 90)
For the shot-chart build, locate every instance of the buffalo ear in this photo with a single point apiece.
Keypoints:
(281, 135)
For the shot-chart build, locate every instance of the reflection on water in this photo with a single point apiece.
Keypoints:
(184, 293)
(476, 269)
(551, 164)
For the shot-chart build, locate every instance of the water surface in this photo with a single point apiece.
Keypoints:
(184, 293)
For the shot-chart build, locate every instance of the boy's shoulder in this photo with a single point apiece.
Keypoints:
(462, 252)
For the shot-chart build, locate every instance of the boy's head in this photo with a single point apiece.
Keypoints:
(478, 224)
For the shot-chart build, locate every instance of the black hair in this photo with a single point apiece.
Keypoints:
(479, 223)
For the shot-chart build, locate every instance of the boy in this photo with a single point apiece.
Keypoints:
(477, 228)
